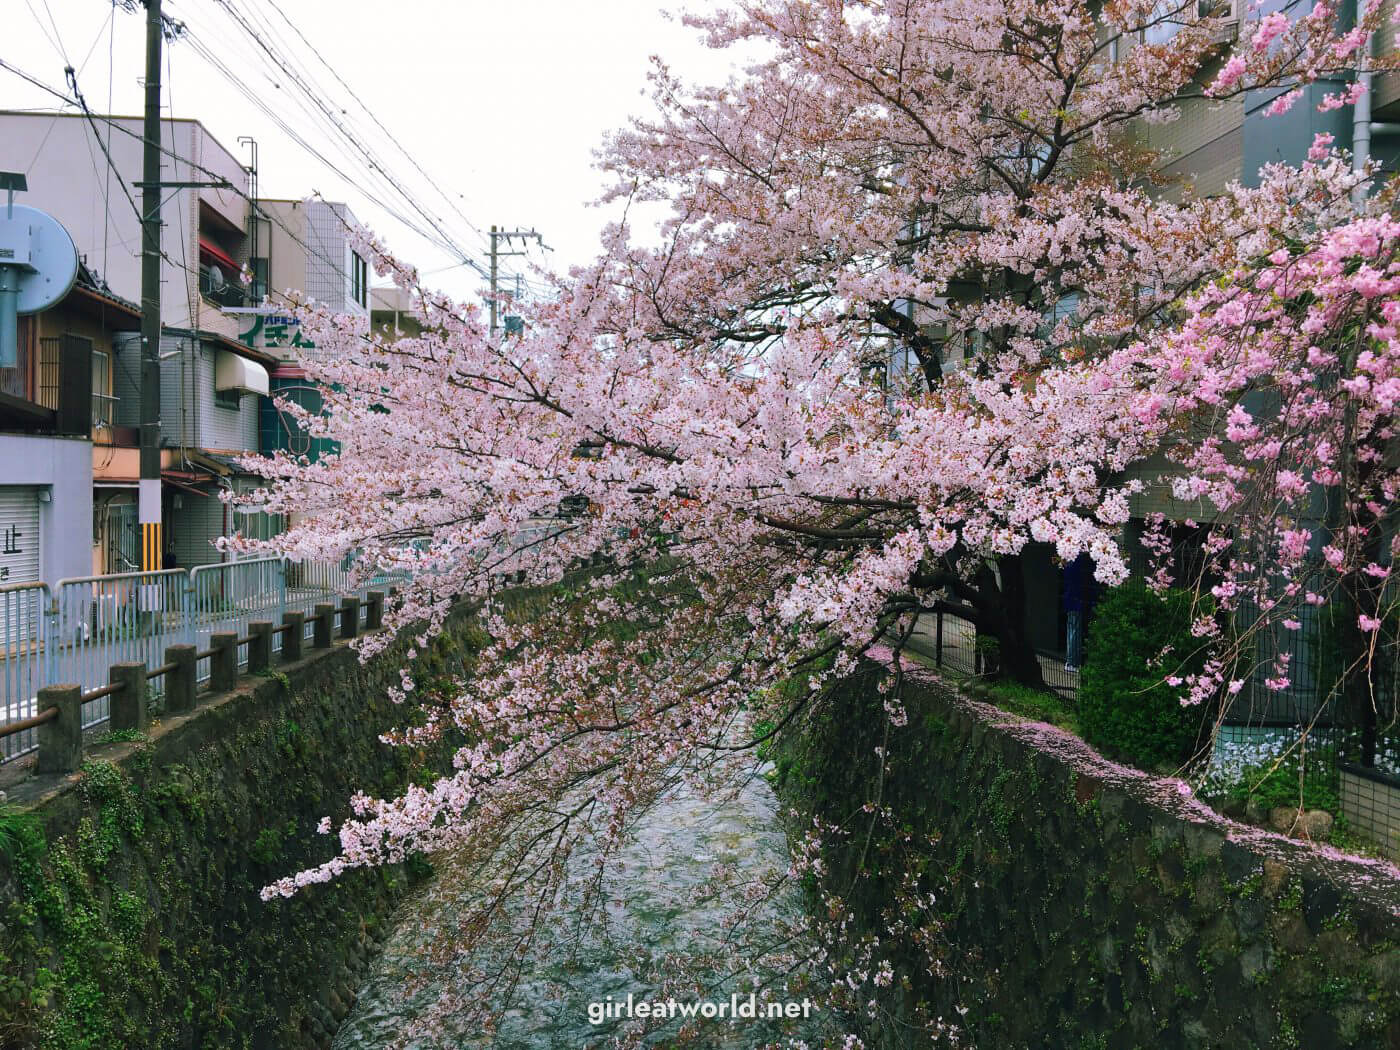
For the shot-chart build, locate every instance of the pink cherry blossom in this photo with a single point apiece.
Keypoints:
(696, 473)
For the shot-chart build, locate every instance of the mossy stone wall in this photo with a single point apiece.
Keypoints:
(1086, 905)
(130, 913)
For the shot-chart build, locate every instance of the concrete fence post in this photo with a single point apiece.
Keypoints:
(61, 740)
(181, 683)
(260, 646)
(324, 627)
(374, 610)
(128, 706)
(295, 623)
(349, 616)
(223, 664)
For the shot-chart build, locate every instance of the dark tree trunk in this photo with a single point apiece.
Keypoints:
(1018, 658)
(1004, 618)
(1358, 708)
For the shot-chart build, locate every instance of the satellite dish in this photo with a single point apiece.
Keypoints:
(50, 269)
(38, 265)
(217, 280)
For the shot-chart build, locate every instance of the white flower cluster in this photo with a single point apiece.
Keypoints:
(1230, 759)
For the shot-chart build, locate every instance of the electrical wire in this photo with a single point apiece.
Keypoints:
(317, 97)
(118, 125)
(378, 123)
(240, 83)
(52, 38)
(327, 115)
(313, 100)
(352, 146)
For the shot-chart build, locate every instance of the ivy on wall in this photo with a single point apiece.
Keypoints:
(1070, 914)
(131, 906)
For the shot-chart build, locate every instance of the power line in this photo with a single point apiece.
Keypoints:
(315, 102)
(360, 153)
(258, 211)
(441, 240)
(323, 113)
(52, 38)
(112, 122)
(378, 123)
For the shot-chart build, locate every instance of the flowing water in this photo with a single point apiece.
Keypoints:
(661, 905)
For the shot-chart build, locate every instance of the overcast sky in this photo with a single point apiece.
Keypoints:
(502, 103)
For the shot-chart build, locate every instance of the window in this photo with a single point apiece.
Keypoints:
(220, 280)
(20, 381)
(1171, 15)
(103, 403)
(257, 290)
(228, 398)
(359, 280)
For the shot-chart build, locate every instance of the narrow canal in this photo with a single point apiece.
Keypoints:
(662, 905)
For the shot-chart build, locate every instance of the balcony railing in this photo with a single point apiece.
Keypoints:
(104, 410)
(50, 388)
(220, 288)
(35, 375)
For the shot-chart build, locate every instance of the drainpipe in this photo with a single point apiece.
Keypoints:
(1361, 112)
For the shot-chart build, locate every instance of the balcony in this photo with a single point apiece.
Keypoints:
(220, 287)
(50, 389)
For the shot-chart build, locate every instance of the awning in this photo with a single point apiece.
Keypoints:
(188, 483)
(235, 372)
(220, 256)
(218, 339)
(222, 465)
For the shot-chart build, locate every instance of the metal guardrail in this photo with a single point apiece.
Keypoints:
(60, 723)
(80, 629)
(24, 615)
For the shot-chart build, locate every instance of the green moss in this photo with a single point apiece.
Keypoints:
(136, 919)
(1293, 899)
(1041, 705)
(119, 736)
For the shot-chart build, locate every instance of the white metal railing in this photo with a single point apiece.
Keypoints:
(23, 611)
(99, 621)
(75, 631)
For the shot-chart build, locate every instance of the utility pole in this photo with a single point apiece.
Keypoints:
(148, 491)
(506, 235)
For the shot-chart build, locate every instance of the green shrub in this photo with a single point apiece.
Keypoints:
(1276, 784)
(1125, 708)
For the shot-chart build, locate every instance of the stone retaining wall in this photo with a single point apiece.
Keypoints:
(1085, 904)
(129, 892)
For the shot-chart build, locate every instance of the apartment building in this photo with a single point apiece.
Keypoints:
(392, 313)
(1210, 145)
(302, 250)
(1215, 143)
(82, 172)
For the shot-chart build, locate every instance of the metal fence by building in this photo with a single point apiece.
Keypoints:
(76, 631)
(951, 641)
(1340, 730)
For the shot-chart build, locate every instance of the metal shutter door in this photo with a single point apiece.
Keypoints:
(19, 533)
(20, 609)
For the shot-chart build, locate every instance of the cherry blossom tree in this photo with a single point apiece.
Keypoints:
(686, 454)
(1281, 384)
